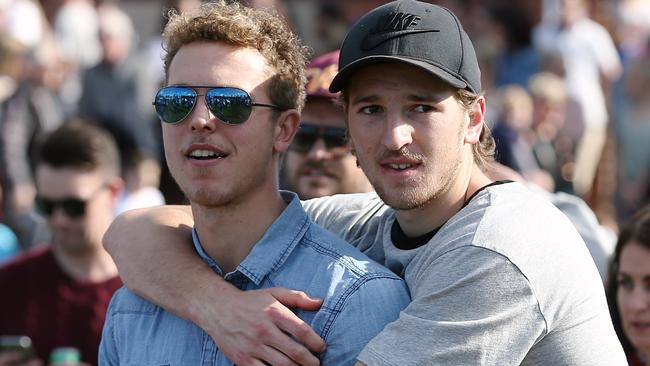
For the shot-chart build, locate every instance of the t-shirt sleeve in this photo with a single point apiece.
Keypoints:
(352, 217)
(470, 306)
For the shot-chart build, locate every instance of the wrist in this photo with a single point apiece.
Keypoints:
(206, 307)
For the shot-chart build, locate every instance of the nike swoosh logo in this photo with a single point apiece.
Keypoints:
(375, 39)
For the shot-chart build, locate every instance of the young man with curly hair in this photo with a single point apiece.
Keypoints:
(230, 107)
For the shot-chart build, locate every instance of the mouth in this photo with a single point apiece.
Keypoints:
(401, 165)
(204, 153)
(315, 173)
(640, 326)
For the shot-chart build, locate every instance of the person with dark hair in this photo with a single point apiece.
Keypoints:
(628, 288)
(497, 274)
(229, 109)
(57, 294)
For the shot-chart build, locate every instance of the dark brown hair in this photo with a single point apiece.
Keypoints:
(636, 230)
(80, 145)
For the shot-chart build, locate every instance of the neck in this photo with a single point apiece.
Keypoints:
(92, 265)
(435, 213)
(229, 232)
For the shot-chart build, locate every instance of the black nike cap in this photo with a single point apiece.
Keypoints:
(416, 33)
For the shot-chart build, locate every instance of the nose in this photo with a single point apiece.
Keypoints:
(318, 150)
(201, 119)
(58, 217)
(639, 299)
(397, 133)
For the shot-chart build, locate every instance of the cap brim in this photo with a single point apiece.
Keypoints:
(343, 76)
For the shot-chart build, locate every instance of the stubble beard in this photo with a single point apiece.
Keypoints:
(421, 190)
(218, 194)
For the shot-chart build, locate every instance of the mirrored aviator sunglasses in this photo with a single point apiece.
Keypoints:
(335, 138)
(231, 105)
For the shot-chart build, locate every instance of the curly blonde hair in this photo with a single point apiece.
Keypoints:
(241, 26)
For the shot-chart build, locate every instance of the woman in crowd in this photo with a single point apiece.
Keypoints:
(629, 288)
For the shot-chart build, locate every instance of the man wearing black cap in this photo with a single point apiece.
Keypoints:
(497, 275)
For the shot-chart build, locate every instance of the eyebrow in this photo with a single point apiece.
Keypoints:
(423, 97)
(645, 278)
(426, 97)
(365, 99)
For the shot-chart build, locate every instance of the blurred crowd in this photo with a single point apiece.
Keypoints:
(567, 84)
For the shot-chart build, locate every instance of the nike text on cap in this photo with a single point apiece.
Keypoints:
(413, 32)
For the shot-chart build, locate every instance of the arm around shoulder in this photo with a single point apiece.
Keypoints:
(155, 257)
(144, 241)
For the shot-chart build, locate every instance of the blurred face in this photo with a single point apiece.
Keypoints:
(633, 295)
(215, 163)
(408, 131)
(571, 10)
(323, 169)
(71, 232)
(115, 47)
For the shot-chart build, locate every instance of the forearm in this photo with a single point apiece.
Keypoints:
(153, 251)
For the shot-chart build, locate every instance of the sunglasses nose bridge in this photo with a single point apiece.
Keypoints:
(318, 149)
(201, 118)
(59, 214)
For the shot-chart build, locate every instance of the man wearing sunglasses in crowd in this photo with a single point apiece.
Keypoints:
(497, 275)
(57, 294)
(231, 107)
(320, 160)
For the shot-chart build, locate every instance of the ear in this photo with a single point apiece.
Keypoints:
(115, 186)
(285, 128)
(476, 121)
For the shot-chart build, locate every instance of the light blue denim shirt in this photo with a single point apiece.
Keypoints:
(360, 298)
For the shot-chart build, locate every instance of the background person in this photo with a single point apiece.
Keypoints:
(628, 289)
(58, 293)
(320, 161)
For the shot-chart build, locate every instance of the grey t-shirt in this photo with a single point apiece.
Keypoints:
(506, 281)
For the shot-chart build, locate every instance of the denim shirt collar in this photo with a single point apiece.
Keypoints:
(270, 252)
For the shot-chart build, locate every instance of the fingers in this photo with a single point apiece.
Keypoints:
(272, 356)
(290, 323)
(14, 359)
(9, 358)
(295, 299)
(295, 351)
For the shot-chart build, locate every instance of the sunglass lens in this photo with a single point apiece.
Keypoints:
(230, 105)
(44, 206)
(335, 137)
(74, 207)
(303, 141)
(173, 104)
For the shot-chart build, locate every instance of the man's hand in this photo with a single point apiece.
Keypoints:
(254, 327)
(14, 359)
